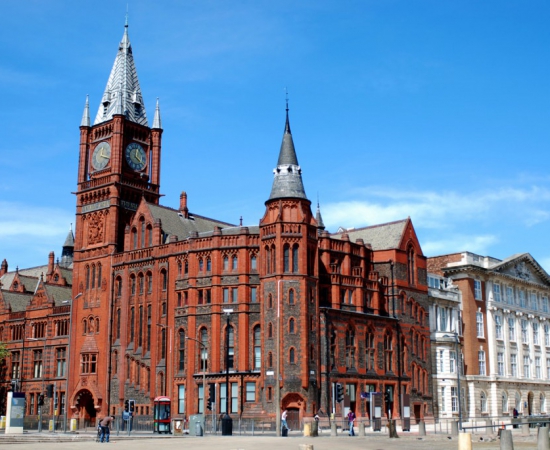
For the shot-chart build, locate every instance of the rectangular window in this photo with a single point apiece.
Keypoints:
(481, 361)
(181, 399)
(510, 295)
(61, 361)
(514, 365)
(544, 303)
(546, 334)
(522, 301)
(16, 365)
(454, 399)
(452, 361)
(199, 399)
(524, 331)
(500, 364)
(443, 320)
(226, 295)
(441, 361)
(496, 292)
(443, 400)
(37, 355)
(538, 369)
(477, 289)
(88, 363)
(234, 293)
(536, 333)
(250, 392)
(233, 404)
(534, 301)
(253, 297)
(479, 324)
(498, 327)
(511, 328)
(433, 282)
(526, 367)
(548, 368)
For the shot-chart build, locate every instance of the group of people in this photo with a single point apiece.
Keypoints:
(350, 417)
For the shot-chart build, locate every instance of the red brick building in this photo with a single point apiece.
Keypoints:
(152, 286)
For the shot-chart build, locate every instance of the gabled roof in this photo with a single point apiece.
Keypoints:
(123, 94)
(16, 300)
(523, 266)
(175, 224)
(384, 236)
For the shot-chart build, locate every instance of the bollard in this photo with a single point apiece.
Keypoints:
(307, 429)
(305, 446)
(465, 441)
(333, 431)
(361, 429)
(506, 441)
(454, 428)
(422, 428)
(525, 427)
(543, 443)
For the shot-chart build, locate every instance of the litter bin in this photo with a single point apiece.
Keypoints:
(284, 432)
(315, 428)
(227, 425)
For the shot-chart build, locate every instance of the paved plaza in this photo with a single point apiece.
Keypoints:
(46, 441)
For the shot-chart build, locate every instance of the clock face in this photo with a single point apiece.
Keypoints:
(135, 156)
(101, 155)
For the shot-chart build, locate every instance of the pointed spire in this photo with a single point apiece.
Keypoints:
(85, 122)
(318, 218)
(156, 119)
(122, 94)
(67, 252)
(288, 174)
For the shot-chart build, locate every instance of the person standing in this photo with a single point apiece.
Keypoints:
(105, 425)
(284, 415)
(351, 420)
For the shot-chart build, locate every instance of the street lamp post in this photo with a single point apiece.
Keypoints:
(68, 360)
(203, 377)
(227, 422)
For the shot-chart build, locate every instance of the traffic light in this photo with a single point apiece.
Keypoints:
(49, 391)
(132, 405)
(387, 397)
(211, 396)
(127, 405)
(339, 393)
(41, 400)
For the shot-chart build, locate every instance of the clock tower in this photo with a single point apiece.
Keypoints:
(119, 166)
(119, 159)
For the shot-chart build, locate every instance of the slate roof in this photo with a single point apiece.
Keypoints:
(232, 231)
(123, 94)
(175, 224)
(16, 300)
(381, 237)
(288, 174)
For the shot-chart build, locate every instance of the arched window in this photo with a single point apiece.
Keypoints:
(370, 350)
(142, 225)
(542, 403)
(135, 238)
(201, 265)
(118, 323)
(181, 352)
(257, 347)
(291, 356)
(204, 347)
(253, 263)
(140, 283)
(225, 263)
(388, 352)
(270, 301)
(483, 402)
(286, 258)
(231, 348)
(270, 360)
(140, 326)
(291, 326)
(150, 235)
(234, 263)
(93, 276)
(267, 260)
(115, 362)
(85, 326)
(410, 265)
(291, 297)
(87, 277)
(273, 259)
(118, 288)
(295, 258)
(164, 279)
(186, 267)
(99, 275)
(149, 282)
(350, 348)
(270, 330)
(208, 265)
(179, 267)
(132, 327)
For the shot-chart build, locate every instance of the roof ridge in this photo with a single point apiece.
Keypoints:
(351, 230)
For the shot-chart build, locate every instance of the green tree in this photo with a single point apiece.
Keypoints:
(3, 351)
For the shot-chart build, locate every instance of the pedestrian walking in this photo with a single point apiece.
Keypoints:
(351, 420)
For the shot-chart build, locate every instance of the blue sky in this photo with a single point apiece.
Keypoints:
(437, 110)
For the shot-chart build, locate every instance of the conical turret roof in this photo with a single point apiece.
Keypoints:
(122, 94)
(288, 174)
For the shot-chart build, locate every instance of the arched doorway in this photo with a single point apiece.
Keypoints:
(530, 397)
(295, 405)
(85, 408)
